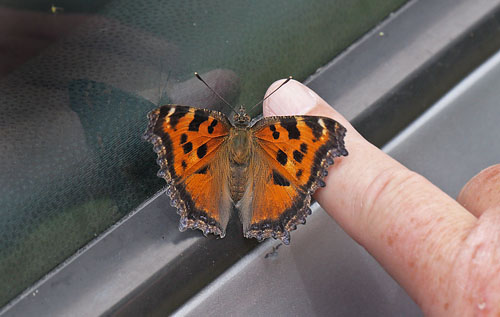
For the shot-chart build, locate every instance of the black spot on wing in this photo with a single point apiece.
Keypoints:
(303, 148)
(278, 179)
(291, 126)
(276, 134)
(212, 126)
(316, 129)
(282, 157)
(298, 156)
(200, 116)
(184, 165)
(299, 173)
(187, 147)
(202, 151)
(184, 138)
(202, 170)
(178, 114)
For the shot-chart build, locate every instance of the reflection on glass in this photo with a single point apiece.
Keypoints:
(75, 89)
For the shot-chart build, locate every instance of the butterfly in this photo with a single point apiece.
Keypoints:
(267, 170)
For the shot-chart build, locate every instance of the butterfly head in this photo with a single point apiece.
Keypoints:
(241, 118)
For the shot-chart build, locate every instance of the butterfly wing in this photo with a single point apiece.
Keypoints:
(188, 142)
(290, 162)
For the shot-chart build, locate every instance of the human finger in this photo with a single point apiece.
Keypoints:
(409, 225)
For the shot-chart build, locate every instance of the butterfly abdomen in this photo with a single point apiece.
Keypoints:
(237, 181)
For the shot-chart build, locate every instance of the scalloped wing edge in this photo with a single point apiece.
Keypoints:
(207, 225)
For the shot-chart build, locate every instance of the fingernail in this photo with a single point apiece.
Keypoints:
(291, 99)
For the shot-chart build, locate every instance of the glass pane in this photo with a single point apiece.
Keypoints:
(77, 79)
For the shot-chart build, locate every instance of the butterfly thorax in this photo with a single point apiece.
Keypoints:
(240, 145)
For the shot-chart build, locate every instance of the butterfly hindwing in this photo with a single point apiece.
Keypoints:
(290, 161)
(188, 142)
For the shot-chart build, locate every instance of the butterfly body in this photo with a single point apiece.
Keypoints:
(267, 171)
(240, 149)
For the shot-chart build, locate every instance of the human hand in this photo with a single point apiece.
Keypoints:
(444, 253)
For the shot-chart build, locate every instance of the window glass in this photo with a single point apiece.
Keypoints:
(78, 78)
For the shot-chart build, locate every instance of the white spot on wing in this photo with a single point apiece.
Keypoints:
(170, 112)
(322, 124)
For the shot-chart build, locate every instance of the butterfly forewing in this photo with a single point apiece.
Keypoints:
(188, 142)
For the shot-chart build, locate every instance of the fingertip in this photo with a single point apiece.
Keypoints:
(293, 98)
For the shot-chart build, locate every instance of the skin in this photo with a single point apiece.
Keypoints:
(444, 252)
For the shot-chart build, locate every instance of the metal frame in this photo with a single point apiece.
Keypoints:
(408, 61)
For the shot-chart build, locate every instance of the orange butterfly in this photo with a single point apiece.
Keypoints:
(267, 170)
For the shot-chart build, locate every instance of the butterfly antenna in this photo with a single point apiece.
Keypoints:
(282, 84)
(215, 93)
(162, 89)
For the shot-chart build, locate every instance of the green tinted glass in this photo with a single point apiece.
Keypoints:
(76, 83)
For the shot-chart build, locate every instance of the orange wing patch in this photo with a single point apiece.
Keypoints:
(187, 141)
(297, 152)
